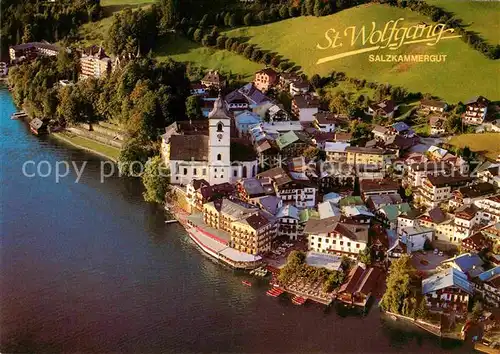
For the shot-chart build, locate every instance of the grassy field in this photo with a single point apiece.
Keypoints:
(465, 73)
(479, 16)
(90, 145)
(95, 33)
(486, 143)
(181, 49)
(350, 89)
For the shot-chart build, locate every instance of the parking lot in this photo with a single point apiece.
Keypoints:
(419, 260)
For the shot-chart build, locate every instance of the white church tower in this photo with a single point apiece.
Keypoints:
(219, 143)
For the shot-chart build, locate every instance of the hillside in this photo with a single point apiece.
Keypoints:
(478, 16)
(465, 73)
(96, 32)
(182, 49)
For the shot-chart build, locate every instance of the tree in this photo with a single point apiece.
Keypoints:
(275, 61)
(233, 20)
(168, 15)
(266, 58)
(477, 311)
(256, 55)
(248, 51)
(248, 19)
(198, 35)
(155, 180)
(309, 4)
(132, 157)
(193, 107)
(398, 284)
(311, 152)
(262, 17)
(318, 8)
(422, 311)
(293, 11)
(408, 191)
(283, 12)
(221, 42)
(316, 81)
(229, 43)
(339, 104)
(365, 256)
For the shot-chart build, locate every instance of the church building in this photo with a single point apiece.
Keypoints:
(216, 157)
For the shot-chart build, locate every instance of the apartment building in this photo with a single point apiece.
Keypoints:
(304, 107)
(438, 189)
(288, 222)
(330, 236)
(336, 152)
(253, 234)
(94, 63)
(360, 156)
(28, 51)
(416, 172)
(489, 209)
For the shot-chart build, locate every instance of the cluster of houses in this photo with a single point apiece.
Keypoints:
(244, 171)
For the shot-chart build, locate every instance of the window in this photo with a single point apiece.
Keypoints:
(204, 172)
(341, 243)
(235, 173)
(220, 126)
(219, 157)
(348, 244)
(195, 172)
(357, 245)
(244, 172)
(185, 171)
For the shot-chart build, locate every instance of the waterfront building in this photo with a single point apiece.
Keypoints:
(253, 234)
(488, 285)
(448, 291)
(216, 158)
(331, 236)
(360, 284)
(288, 222)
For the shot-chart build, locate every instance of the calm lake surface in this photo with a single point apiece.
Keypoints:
(90, 267)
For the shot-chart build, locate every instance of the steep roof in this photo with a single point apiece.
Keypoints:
(369, 185)
(277, 174)
(466, 261)
(288, 211)
(446, 278)
(317, 226)
(394, 210)
(189, 147)
(286, 139)
(433, 103)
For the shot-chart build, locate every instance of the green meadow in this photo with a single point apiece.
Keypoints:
(478, 16)
(464, 74)
(485, 143)
(182, 49)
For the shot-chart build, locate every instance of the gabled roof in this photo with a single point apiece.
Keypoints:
(277, 174)
(437, 215)
(351, 200)
(252, 187)
(433, 103)
(369, 185)
(288, 211)
(189, 147)
(447, 278)
(308, 214)
(477, 99)
(336, 147)
(270, 203)
(328, 209)
(392, 211)
(306, 101)
(489, 275)
(400, 127)
(333, 197)
(356, 210)
(466, 261)
(386, 106)
(320, 226)
(286, 139)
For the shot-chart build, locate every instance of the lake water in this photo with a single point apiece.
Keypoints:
(90, 267)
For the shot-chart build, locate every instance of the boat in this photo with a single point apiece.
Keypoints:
(275, 292)
(18, 115)
(246, 282)
(298, 300)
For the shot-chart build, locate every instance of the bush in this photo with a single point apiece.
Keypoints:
(248, 19)
(266, 58)
(275, 61)
(293, 11)
(248, 51)
(221, 42)
(262, 17)
(256, 55)
(229, 43)
(283, 12)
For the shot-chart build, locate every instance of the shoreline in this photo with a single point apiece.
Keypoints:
(60, 136)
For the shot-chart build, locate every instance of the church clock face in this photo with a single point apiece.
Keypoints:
(219, 136)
